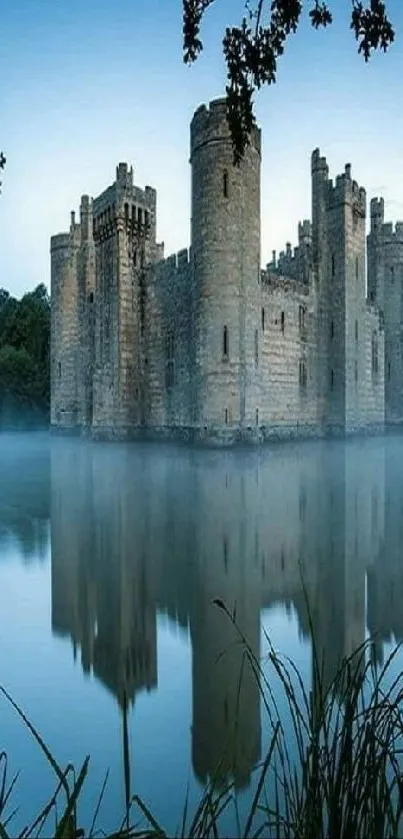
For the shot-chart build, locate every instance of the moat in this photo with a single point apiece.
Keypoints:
(110, 558)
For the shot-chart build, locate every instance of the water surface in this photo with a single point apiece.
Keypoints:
(110, 559)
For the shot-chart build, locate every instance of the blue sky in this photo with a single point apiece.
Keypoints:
(87, 83)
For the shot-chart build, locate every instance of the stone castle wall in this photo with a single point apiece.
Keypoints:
(205, 345)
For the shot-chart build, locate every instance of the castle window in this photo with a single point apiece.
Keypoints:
(356, 371)
(257, 416)
(146, 219)
(356, 330)
(389, 371)
(332, 329)
(302, 330)
(91, 297)
(226, 416)
(170, 360)
(59, 370)
(302, 375)
(225, 184)
(135, 257)
(256, 347)
(142, 258)
(262, 320)
(356, 267)
(375, 366)
(126, 213)
(225, 345)
(140, 216)
(333, 265)
(282, 322)
(331, 379)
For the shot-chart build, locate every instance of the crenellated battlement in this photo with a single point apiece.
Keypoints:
(210, 124)
(178, 259)
(271, 280)
(319, 164)
(294, 262)
(60, 241)
(346, 190)
(392, 232)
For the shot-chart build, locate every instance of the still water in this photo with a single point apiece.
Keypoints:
(110, 558)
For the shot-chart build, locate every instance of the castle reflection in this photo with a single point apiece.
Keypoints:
(141, 530)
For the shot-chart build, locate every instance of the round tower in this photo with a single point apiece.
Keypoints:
(225, 239)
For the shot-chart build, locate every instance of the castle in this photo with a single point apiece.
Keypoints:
(206, 345)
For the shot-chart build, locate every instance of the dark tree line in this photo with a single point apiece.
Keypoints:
(24, 359)
(253, 48)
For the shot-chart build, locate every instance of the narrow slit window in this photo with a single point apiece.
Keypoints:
(302, 321)
(302, 374)
(59, 370)
(333, 265)
(257, 416)
(332, 330)
(226, 416)
(262, 320)
(282, 321)
(331, 379)
(356, 267)
(225, 183)
(256, 347)
(356, 330)
(375, 367)
(225, 344)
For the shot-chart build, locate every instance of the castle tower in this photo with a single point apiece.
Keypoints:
(338, 215)
(225, 240)
(320, 181)
(385, 286)
(65, 333)
(124, 234)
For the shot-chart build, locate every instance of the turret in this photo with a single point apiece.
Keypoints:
(225, 239)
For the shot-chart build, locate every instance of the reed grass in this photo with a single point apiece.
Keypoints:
(338, 775)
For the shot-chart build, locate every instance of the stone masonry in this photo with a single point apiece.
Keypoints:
(206, 345)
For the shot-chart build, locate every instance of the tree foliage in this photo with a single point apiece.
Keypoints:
(24, 358)
(2, 163)
(253, 48)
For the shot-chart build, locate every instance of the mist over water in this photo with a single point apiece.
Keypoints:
(110, 558)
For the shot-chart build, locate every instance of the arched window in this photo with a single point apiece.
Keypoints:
(225, 346)
(225, 183)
